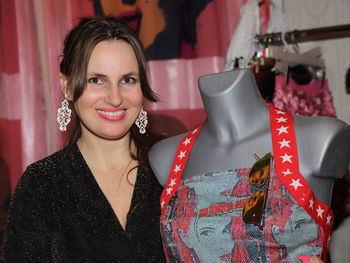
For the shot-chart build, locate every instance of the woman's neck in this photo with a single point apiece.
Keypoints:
(99, 152)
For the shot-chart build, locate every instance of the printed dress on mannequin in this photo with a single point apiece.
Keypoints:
(206, 214)
(207, 190)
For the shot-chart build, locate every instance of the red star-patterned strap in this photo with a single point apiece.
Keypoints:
(180, 160)
(287, 166)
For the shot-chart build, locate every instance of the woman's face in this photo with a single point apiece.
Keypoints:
(211, 238)
(215, 233)
(112, 97)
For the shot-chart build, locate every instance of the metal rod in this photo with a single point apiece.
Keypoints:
(298, 36)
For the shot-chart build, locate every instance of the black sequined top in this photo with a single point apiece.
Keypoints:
(59, 214)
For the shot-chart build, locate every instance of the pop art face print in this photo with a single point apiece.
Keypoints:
(167, 29)
(203, 222)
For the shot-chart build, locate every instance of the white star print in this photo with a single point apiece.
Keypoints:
(187, 141)
(286, 172)
(282, 129)
(177, 168)
(286, 158)
(162, 203)
(303, 199)
(194, 131)
(328, 219)
(168, 190)
(311, 205)
(319, 211)
(284, 143)
(296, 184)
(182, 155)
(173, 182)
(280, 112)
(279, 120)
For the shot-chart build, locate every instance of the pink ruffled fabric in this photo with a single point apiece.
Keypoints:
(313, 99)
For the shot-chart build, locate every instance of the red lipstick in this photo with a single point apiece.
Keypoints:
(111, 114)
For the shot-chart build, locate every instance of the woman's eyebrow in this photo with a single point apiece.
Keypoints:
(96, 74)
(131, 73)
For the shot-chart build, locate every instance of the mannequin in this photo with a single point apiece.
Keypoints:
(213, 209)
(238, 127)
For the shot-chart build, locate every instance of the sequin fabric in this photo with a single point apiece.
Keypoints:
(313, 99)
(59, 214)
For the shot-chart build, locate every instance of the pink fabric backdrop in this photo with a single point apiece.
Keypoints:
(21, 88)
(32, 34)
(180, 105)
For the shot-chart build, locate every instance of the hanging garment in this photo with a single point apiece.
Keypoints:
(241, 44)
(201, 218)
(313, 99)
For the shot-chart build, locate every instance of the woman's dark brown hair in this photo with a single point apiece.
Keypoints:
(78, 46)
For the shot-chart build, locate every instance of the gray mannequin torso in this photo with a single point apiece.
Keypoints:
(238, 126)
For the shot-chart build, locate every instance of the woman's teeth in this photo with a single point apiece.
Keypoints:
(111, 113)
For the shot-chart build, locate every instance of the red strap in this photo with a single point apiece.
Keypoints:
(178, 166)
(287, 165)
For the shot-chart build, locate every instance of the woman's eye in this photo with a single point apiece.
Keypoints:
(299, 224)
(129, 80)
(227, 229)
(95, 80)
(206, 231)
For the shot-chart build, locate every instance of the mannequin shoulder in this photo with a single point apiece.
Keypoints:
(165, 149)
(329, 139)
(161, 156)
(328, 124)
(322, 130)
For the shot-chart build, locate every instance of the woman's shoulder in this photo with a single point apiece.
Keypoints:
(49, 164)
(45, 171)
(148, 179)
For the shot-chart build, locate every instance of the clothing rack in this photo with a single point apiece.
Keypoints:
(298, 36)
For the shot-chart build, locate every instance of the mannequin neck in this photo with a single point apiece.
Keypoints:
(233, 104)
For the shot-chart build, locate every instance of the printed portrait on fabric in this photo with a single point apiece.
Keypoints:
(210, 227)
(203, 224)
(299, 225)
(167, 28)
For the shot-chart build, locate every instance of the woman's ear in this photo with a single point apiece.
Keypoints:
(64, 87)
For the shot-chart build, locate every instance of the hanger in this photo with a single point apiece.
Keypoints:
(280, 60)
(286, 61)
(286, 58)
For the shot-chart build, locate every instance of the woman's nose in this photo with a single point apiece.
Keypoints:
(114, 97)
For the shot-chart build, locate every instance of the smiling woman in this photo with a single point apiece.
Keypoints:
(96, 200)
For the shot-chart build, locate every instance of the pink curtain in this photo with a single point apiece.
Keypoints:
(180, 105)
(32, 33)
(21, 87)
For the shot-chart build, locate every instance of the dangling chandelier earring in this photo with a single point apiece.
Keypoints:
(141, 121)
(63, 115)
